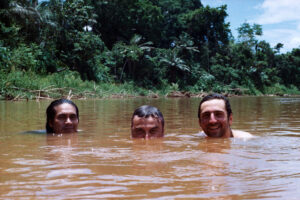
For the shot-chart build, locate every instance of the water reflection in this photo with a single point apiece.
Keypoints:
(60, 150)
(215, 145)
(64, 140)
(215, 166)
(103, 162)
(148, 156)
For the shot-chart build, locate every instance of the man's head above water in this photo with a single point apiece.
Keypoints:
(62, 117)
(147, 122)
(215, 116)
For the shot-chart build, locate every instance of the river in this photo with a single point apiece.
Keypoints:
(103, 162)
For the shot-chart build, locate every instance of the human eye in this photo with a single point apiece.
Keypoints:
(219, 114)
(73, 117)
(61, 117)
(138, 133)
(154, 131)
(139, 130)
(205, 115)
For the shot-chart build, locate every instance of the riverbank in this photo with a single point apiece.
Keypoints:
(20, 85)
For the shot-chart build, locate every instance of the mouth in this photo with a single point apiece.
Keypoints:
(69, 129)
(213, 128)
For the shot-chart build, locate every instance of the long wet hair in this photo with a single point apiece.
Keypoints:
(146, 111)
(216, 96)
(51, 112)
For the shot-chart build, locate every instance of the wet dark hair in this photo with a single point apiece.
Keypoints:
(216, 96)
(51, 112)
(146, 111)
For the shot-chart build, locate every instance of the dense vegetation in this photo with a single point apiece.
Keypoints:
(98, 47)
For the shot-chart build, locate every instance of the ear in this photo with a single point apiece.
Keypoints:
(50, 123)
(162, 126)
(230, 119)
(199, 121)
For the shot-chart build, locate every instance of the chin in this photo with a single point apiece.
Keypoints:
(214, 134)
(69, 131)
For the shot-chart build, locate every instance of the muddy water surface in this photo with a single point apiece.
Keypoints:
(103, 162)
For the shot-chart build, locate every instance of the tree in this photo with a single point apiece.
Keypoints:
(209, 31)
(176, 67)
(129, 55)
(24, 15)
(247, 35)
(277, 47)
(288, 66)
(121, 20)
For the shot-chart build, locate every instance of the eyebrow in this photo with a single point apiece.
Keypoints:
(138, 129)
(213, 111)
(203, 113)
(156, 127)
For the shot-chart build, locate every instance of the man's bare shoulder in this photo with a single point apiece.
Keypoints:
(241, 134)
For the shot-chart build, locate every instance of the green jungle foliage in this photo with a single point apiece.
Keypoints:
(134, 47)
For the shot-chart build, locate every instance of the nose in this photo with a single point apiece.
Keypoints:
(68, 121)
(147, 136)
(212, 118)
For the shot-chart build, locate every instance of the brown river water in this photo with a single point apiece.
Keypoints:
(103, 162)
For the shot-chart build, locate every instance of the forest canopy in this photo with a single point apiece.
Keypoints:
(153, 45)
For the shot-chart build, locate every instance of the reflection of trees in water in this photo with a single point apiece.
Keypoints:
(264, 114)
(19, 116)
(106, 116)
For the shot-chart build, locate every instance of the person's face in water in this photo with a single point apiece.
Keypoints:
(65, 120)
(214, 119)
(150, 127)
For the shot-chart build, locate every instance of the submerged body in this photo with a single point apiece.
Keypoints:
(235, 134)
